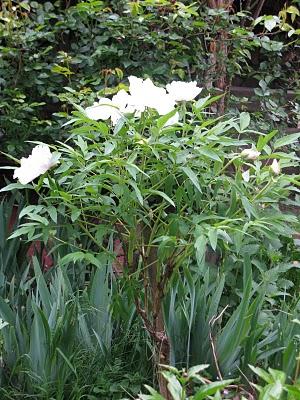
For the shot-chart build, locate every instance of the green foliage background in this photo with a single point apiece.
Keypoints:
(56, 55)
(52, 53)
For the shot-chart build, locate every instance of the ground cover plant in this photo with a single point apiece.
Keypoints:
(191, 383)
(194, 203)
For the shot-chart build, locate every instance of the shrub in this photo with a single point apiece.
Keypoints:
(169, 193)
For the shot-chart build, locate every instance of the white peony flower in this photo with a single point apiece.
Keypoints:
(40, 160)
(183, 91)
(144, 94)
(275, 167)
(164, 104)
(107, 108)
(138, 94)
(250, 154)
(121, 100)
(101, 110)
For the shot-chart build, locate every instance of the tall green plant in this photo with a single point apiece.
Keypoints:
(47, 324)
(168, 192)
(13, 252)
(228, 333)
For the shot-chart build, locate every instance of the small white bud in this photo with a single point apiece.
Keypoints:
(250, 154)
(246, 175)
(275, 167)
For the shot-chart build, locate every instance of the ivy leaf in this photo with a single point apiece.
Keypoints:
(270, 22)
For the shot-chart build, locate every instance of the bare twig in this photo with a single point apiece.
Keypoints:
(259, 7)
(212, 321)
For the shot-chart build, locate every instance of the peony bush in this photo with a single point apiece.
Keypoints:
(153, 169)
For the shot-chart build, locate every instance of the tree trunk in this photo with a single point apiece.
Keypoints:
(218, 55)
(152, 310)
(162, 342)
(162, 355)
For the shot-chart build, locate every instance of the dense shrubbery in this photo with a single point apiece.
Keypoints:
(169, 243)
(51, 54)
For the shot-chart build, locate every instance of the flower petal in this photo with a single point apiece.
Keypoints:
(40, 161)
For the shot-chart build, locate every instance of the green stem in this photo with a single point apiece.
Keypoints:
(262, 190)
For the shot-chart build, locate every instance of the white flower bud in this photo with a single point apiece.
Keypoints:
(250, 154)
(275, 167)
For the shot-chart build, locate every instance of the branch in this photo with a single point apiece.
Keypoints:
(258, 9)
(211, 324)
(159, 336)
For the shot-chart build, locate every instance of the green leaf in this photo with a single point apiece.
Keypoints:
(75, 214)
(295, 390)
(133, 169)
(72, 258)
(286, 140)
(293, 10)
(194, 371)
(163, 195)
(42, 286)
(13, 186)
(250, 210)
(263, 140)
(137, 192)
(212, 388)
(82, 144)
(244, 120)
(23, 230)
(154, 394)
(270, 22)
(277, 375)
(38, 218)
(30, 210)
(93, 260)
(161, 122)
(213, 237)
(209, 153)
(25, 5)
(233, 333)
(38, 343)
(6, 313)
(206, 101)
(200, 246)
(109, 147)
(272, 391)
(66, 360)
(261, 373)
(192, 176)
(174, 385)
(52, 213)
